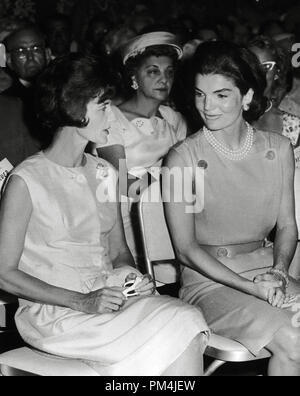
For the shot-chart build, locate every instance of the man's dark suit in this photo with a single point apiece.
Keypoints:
(15, 142)
(27, 97)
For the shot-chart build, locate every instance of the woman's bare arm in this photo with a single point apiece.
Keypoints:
(287, 233)
(119, 251)
(15, 214)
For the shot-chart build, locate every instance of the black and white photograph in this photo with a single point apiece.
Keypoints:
(150, 191)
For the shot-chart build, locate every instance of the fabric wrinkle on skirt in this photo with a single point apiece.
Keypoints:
(143, 339)
(236, 315)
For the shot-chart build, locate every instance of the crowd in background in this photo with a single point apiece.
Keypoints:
(100, 28)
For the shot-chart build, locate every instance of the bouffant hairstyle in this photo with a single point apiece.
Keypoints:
(236, 63)
(65, 88)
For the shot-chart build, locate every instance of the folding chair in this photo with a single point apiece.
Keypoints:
(25, 361)
(5, 301)
(158, 252)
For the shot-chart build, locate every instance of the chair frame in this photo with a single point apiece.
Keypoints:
(28, 362)
(221, 349)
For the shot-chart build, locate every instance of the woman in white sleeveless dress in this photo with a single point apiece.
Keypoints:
(65, 256)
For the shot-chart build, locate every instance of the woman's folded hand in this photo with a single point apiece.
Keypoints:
(277, 296)
(146, 287)
(102, 301)
(265, 290)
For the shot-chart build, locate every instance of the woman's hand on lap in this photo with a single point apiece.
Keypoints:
(106, 300)
(265, 290)
(146, 287)
(276, 296)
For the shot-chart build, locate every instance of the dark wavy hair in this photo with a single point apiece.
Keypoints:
(65, 88)
(236, 63)
(283, 61)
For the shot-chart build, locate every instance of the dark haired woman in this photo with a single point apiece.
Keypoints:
(279, 75)
(278, 69)
(143, 129)
(242, 286)
(66, 256)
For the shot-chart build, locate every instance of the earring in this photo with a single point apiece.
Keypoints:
(246, 107)
(85, 121)
(135, 85)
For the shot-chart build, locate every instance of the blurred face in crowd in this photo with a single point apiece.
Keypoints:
(207, 35)
(242, 34)
(268, 63)
(155, 77)
(99, 31)
(59, 37)
(97, 129)
(219, 102)
(27, 55)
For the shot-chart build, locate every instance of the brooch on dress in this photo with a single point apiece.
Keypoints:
(102, 171)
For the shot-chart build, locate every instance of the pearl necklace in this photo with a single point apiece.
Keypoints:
(232, 155)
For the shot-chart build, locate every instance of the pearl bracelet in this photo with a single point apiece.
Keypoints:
(281, 274)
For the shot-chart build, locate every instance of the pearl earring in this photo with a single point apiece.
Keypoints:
(135, 85)
(246, 107)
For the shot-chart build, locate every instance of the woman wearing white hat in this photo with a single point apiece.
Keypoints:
(143, 129)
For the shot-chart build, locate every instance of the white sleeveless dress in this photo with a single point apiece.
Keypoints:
(67, 245)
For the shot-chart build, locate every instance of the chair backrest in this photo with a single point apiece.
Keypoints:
(157, 245)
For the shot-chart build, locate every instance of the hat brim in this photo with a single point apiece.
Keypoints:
(138, 45)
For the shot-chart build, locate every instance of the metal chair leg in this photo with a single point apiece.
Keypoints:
(213, 367)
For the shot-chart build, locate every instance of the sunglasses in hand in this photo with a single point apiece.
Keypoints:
(130, 287)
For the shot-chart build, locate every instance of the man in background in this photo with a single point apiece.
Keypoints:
(26, 57)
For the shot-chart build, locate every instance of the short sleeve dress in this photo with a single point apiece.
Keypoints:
(67, 245)
(146, 143)
(241, 206)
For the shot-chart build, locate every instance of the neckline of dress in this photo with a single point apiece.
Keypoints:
(147, 119)
(161, 117)
(69, 168)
